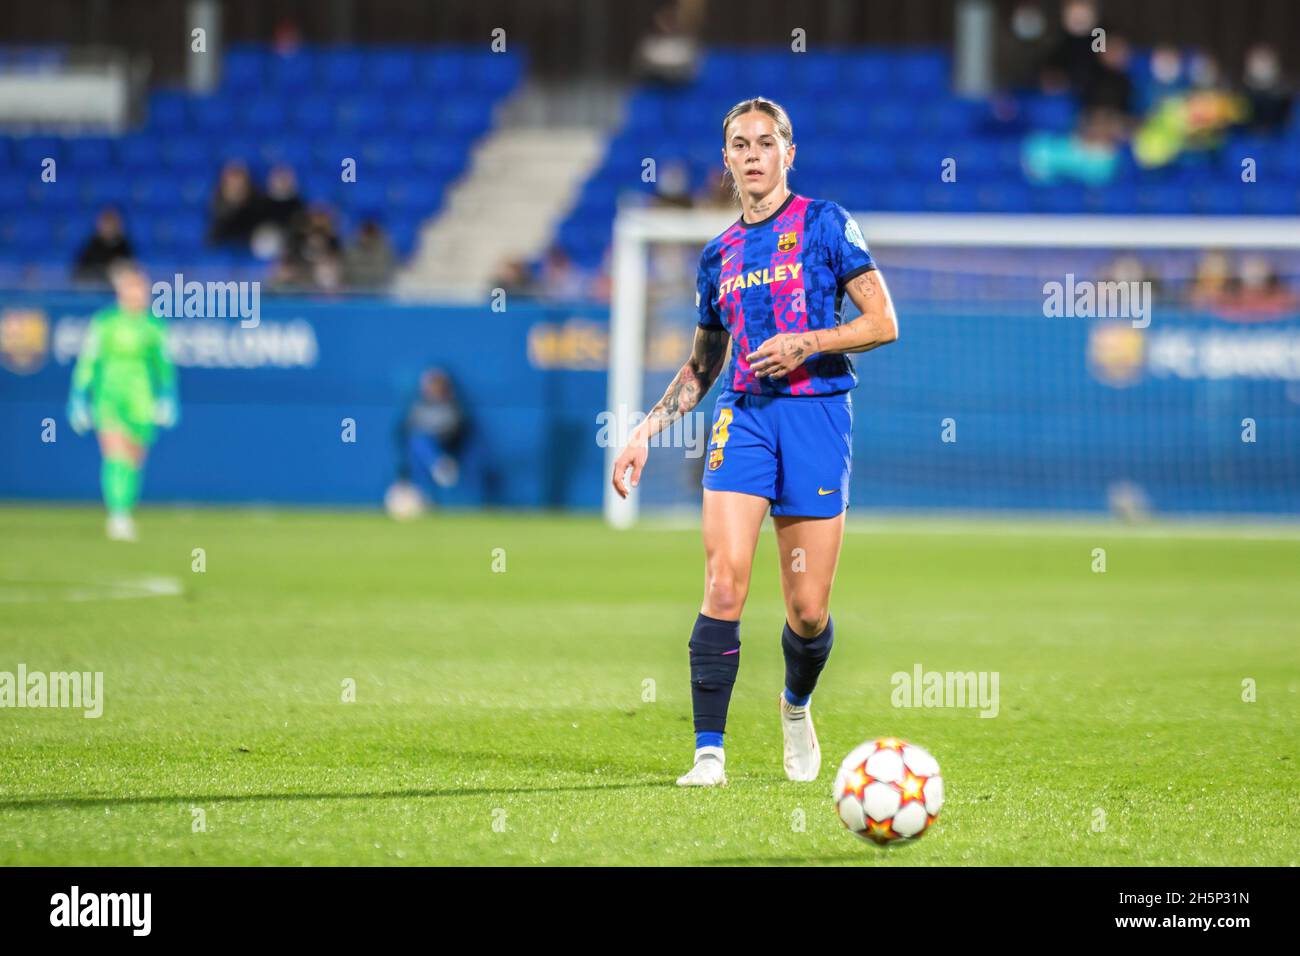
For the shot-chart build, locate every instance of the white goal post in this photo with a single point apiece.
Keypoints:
(636, 228)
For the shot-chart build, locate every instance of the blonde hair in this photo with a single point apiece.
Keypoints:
(780, 120)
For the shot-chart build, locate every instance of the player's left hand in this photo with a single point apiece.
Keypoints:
(165, 413)
(781, 354)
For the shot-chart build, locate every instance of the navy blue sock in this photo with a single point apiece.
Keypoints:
(804, 660)
(715, 658)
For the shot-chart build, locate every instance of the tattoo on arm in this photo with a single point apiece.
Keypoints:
(801, 347)
(865, 284)
(694, 379)
(877, 319)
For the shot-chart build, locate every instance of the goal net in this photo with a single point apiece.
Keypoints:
(1133, 365)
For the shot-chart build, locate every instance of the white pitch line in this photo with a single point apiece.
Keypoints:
(101, 591)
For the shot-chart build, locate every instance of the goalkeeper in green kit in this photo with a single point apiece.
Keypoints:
(124, 385)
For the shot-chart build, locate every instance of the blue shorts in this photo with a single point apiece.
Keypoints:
(796, 451)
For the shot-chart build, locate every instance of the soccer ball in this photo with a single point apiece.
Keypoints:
(888, 790)
(403, 501)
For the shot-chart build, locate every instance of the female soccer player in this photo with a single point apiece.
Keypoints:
(123, 385)
(772, 285)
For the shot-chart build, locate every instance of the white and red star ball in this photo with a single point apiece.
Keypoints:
(888, 790)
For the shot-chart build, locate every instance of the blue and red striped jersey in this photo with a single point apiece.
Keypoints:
(786, 273)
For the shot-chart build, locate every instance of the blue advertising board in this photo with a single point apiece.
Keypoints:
(987, 407)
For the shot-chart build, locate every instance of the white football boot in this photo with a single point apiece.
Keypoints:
(803, 755)
(709, 769)
(120, 528)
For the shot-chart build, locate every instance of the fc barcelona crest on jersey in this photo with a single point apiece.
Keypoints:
(787, 241)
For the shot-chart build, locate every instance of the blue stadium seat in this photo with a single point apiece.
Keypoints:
(369, 193)
(1056, 199)
(237, 147)
(341, 69)
(442, 69)
(70, 231)
(392, 71)
(418, 192)
(868, 73)
(294, 152)
(169, 109)
(31, 232)
(1162, 200)
(362, 113)
(1215, 198)
(1119, 197)
(1055, 113)
(161, 190)
(265, 114)
(1264, 200)
(313, 114)
(244, 69)
(185, 153)
(58, 195)
(413, 116)
(182, 231)
(106, 192)
(387, 152)
(922, 71)
(214, 114)
(137, 152)
(294, 74)
(1008, 197)
(31, 151)
(88, 154)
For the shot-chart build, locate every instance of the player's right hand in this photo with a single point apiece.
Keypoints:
(79, 414)
(632, 456)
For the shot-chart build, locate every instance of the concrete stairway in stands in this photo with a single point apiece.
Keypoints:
(523, 178)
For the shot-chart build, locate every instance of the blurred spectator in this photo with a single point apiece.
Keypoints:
(1164, 78)
(561, 280)
(1192, 120)
(1112, 87)
(434, 432)
(287, 37)
(282, 204)
(602, 283)
(312, 260)
(1256, 289)
(1090, 155)
(1023, 47)
(235, 207)
(716, 192)
(1270, 100)
(673, 185)
(514, 278)
(278, 212)
(369, 262)
(670, 53)
(106, 245)
(1073, 65)
(1129, 268)
(1211, 282)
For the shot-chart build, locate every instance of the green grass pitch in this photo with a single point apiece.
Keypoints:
(501, 715)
